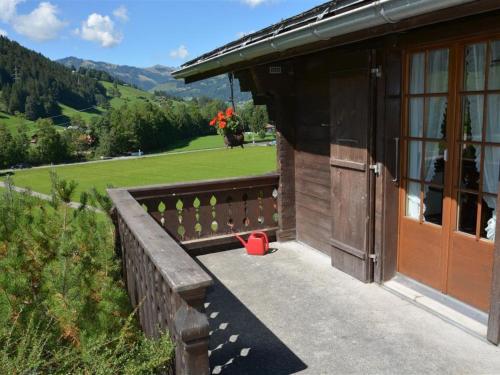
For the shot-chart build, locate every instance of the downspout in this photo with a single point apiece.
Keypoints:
(377, 13)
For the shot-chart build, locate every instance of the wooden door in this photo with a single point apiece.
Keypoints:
(476, 166)
(350, 160)
(451, 159)
(424, 223)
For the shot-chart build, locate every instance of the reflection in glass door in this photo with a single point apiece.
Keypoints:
(426, 140)
(479, 143)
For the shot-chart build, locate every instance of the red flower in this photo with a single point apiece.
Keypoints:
(220, 116)
(222, 124)
(212, 122)
(229, 112)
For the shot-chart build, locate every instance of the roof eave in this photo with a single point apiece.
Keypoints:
(371, 15)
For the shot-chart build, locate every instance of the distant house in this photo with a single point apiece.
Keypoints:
(270, 128)
(388, 122)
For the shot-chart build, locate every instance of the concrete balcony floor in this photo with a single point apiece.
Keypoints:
(291, 312)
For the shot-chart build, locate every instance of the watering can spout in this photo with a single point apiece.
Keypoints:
(241, 240)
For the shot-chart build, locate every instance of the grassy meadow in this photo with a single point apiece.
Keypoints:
(161, 169)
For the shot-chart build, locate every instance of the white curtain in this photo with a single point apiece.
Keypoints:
(494, 73)
(416, 117)
(492, 161)
(417, 77)
(436, 118)
(413, 200)
(474, 67)
(474, 105)
(417, 74)
(437, 79)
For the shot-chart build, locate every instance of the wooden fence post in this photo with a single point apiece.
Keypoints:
(192, 335)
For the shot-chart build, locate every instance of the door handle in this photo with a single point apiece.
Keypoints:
(396, 160)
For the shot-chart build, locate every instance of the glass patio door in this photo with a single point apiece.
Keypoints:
(426, 179)
(451, 168)
(477, 150)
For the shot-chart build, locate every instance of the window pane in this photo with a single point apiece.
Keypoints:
(417, 73)
(472, 117)
(437, 76)
(491, 169)
(475, 56)
(434, 162)
(488, 217)
(414, 159)
(493, 127)
(467, 213)
(433, 204)
(494, 65)
(413, 200)
(470, 164)
(416, 117)
(436, 117)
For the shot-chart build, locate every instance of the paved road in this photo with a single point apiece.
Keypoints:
(45, 197)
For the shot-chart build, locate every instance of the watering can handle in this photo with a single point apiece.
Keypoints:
(263, 234)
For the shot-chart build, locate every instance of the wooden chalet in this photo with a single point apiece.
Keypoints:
(388, 120)
(387, 115)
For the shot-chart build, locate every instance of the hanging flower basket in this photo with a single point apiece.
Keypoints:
(229, 125)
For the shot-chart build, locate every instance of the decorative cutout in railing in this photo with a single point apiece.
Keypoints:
(202, 210)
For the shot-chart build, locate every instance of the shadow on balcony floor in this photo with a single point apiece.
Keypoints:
(239, 342)
(292, 312)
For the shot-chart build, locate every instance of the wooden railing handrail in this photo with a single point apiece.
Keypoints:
(164, 283)
(201, 186)
(178, 269)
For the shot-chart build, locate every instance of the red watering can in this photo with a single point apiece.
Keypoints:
(257, 244)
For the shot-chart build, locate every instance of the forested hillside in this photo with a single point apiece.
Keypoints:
(33, 85)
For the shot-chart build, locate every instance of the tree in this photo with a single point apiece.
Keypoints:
(5, 145)
(32, 108)
(50, 146)
(16, 100)
(13, 147)
(259, 119)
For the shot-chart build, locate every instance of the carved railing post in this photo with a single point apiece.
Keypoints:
(192, 335)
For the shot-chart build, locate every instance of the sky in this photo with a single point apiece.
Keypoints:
(138, 33)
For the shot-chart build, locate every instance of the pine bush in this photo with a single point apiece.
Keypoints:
(63, 306)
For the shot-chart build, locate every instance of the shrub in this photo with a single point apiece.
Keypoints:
(63, 306)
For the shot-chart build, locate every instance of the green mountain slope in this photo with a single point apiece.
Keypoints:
(127, 95)
(160, 78)
(32, 84)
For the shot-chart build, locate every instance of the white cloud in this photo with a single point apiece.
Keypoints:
(121, 13)
(254, 3)
(8, 9)
(101, 29)
(41, 24)
(3, 32)
(179, 53)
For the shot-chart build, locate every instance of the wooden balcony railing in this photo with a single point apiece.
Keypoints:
(207, 213)
(164, 283)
